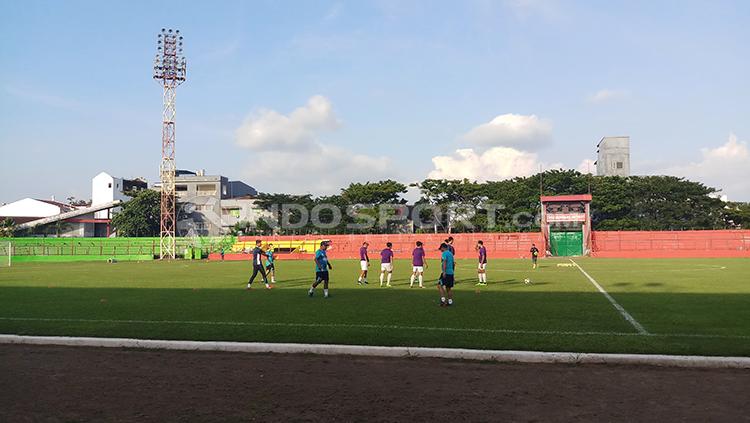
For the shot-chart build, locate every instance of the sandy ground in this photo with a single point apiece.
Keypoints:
(40, 383)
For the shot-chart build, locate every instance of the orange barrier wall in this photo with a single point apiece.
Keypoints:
(499, 245)
(626, 244)
(663, 244)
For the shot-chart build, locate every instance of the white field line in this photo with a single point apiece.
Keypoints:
(370, 326)
(376, 351)
(638, 327)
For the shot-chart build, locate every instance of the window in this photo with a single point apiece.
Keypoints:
(206, 189)
(231, 211)
(109, 185)
(180, 187)
(619, 165)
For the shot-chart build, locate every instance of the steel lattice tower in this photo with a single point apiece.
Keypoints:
(170, 71)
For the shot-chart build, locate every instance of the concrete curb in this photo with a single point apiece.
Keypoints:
(375, 351)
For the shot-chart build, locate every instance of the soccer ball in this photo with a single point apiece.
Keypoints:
(527, 281)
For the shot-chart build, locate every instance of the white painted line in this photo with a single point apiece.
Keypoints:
(375, 351)
(371, 326)
(638, 327)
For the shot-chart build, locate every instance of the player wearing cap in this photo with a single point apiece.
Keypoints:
(386, 264)
(482, 268)
(418, 263)
(364, 263)
(445, 283)
(322, 265)
(258, 254)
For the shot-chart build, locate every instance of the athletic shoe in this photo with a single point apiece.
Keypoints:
(388, 286)
(359, 282)
(310, 293)
(366, 283)
(248, 287)
(442, 304)
(268, 287)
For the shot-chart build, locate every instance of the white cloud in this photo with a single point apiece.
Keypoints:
(289, 157)
(270, 130)
(320, 169)
(333, 12)
(606, 95)
(587, 166)
(497, 163)
(726, 167)
(511, 130)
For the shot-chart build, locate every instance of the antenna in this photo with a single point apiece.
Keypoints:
(170, 70)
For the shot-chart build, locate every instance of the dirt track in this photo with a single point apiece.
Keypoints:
(88, 384)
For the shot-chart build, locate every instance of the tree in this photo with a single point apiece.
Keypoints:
(78, 203)
(374, 193)
(140, 216)
(7, 227)
(737, 215)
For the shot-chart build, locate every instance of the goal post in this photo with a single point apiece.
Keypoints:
(6, 253)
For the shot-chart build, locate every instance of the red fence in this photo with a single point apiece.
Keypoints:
(723, 243)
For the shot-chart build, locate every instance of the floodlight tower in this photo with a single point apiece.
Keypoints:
(170, 69)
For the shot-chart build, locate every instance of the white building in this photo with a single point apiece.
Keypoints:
(613, 156)
(106, 188)
(29, 210)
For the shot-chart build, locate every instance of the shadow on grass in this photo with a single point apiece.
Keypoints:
(533, 320)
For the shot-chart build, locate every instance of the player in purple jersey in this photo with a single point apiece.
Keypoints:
(386, 264)
(364, 263)
(418, 263)
(482, 268)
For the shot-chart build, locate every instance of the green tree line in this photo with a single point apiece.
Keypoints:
(619, 203)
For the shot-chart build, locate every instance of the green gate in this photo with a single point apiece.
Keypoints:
(566, 243)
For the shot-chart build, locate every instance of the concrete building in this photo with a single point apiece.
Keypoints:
(613, 156)
(106, 188)
(210, 205)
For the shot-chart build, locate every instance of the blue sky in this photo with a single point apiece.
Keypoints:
(308, 96)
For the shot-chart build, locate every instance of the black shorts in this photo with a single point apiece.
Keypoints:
(270, 267)
(321, 276)
(446, 280)
(533, 258)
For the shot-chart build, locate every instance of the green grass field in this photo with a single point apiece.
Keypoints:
(686, 306)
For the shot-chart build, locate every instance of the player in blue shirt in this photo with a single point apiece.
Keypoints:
(258, 254)
(445, 283)
(322, 265)
(270, 264)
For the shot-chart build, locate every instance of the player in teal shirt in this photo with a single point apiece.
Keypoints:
(270, 264)
(445, 283)
(322, 265)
